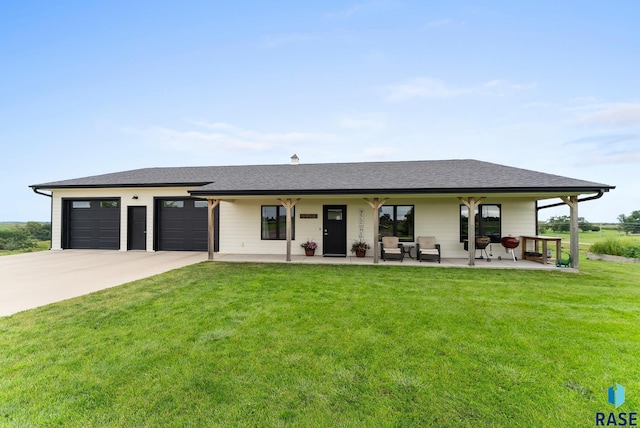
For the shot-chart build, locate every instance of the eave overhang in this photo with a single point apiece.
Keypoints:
(404, 191)
(116, 186)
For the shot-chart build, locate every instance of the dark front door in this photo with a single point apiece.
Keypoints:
(334, 242)
(137, 234)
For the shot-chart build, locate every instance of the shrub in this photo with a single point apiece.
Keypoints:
(624, 247)
(17, 239)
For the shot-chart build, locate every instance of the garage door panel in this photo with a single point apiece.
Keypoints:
(182, 225)
(93, 224)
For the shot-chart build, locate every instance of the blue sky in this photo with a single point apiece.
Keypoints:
(104, 86)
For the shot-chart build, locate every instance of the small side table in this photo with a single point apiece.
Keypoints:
(406, 249)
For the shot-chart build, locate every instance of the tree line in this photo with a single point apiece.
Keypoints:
(629, 224)
(24, 237)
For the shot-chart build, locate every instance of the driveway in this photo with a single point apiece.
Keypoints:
(36, 279)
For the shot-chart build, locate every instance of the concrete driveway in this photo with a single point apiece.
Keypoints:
(36, 279)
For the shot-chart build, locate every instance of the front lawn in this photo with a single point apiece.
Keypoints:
(219, 344)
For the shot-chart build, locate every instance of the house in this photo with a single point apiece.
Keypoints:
(271, 209)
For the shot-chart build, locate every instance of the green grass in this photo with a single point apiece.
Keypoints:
(221, 344)
(625, 247)
(588, 238)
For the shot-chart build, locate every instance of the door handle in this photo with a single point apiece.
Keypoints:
(326, 232)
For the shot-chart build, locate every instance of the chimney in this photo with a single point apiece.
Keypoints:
(295, 160)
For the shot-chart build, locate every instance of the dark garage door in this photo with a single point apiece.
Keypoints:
(182, 225)
(92, 224)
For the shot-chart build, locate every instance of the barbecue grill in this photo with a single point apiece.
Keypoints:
(482, 242)
(510, 243)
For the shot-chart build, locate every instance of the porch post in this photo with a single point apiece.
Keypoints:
(574, 250)
(288, 204)
(376, 204)
(211, 219)
(471, 205)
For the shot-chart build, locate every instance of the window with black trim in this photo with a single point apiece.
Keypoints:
(274, 222)
(396, 220)
(488, 222)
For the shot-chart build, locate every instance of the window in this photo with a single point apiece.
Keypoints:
(173, 204)
(108, 204)
(396, 220)
(81, 204)
(487, 222)
(274, 222)
(201, 204)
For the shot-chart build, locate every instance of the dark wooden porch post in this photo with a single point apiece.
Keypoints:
(211, 219)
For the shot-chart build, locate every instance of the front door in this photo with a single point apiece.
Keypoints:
(137, 230)
(334, 243)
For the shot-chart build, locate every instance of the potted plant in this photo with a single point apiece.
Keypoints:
(309, 247)
(360, 248)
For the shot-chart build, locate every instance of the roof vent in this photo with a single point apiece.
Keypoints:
(295, 160)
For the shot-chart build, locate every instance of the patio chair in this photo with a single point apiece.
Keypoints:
(391, 248)
(426, 248)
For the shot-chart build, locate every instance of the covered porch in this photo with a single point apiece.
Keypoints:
(494, 263)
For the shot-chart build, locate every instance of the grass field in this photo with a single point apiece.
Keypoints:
(220, 344)
(588, 238)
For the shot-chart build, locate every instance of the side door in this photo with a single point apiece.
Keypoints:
(137, 228)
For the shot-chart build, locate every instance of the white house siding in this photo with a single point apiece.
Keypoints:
(240, 221)
(145, 198)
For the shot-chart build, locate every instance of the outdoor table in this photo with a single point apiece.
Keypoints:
(407, 249)
(542, 258)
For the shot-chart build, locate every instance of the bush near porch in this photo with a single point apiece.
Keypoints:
(220, 344)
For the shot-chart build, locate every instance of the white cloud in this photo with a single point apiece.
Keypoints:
(427, 87)
(440, 23)
(363, 121)
(358, 8)
(613, 115)
(608, 149)
(218, 135)
(277, 40)
(383, 153)
(422, 87)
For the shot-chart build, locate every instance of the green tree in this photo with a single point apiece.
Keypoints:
(631, 223)
(559, 224)
(17, 239)
(39, 231)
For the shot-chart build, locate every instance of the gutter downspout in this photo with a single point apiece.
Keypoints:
(35, 189)
(590, 198)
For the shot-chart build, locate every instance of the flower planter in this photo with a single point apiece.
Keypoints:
(361, 253)
(310, 253)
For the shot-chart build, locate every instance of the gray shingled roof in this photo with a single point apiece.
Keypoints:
(437, 176)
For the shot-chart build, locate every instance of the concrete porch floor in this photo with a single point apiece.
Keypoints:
(505, 263)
